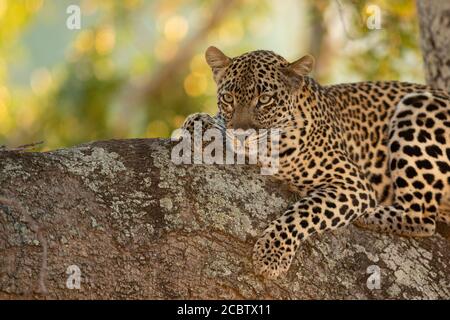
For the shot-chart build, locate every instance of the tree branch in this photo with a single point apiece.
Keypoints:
(154, 84)
(138, 226)
(434, 18)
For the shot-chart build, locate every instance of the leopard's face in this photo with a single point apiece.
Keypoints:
(257, 90)
(253, 90)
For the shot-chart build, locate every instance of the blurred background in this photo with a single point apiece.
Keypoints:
(136, 68)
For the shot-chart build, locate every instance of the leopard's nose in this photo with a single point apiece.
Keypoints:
(241, 119)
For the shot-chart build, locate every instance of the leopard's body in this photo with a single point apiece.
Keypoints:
(377, 153)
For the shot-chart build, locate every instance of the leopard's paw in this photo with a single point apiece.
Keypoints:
(273, 253)
(204, 119)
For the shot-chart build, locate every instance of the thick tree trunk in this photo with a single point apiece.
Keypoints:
(434, 18)
(138, 226)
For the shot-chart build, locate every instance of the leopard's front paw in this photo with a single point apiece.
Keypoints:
(273, 253)
(204, 119)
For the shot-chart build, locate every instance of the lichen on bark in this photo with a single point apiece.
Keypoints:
(139, 226)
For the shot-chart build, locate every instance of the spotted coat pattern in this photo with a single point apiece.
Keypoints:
(373, 153)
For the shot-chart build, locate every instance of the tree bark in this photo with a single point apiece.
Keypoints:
(138, 226)
(434, 20)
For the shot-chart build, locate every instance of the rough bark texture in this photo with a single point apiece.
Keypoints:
(434, 18)
(139, 226)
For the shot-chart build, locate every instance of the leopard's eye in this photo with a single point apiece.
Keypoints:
(265, 99)
(227, 98)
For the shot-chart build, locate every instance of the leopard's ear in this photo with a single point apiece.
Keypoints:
(302, 66)
(217, 60)
(295, 71)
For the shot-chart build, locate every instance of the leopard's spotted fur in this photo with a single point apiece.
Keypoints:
(377, 153)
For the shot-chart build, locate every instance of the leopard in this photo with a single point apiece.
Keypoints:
(372, 153)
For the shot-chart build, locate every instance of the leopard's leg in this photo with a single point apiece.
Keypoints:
(197, 124)
(207, 121)
(329, 207)
(419, 169)
(409, 219)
